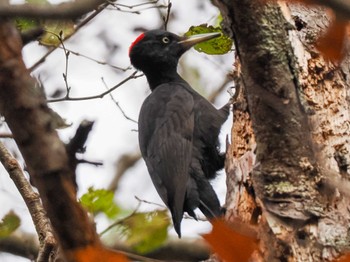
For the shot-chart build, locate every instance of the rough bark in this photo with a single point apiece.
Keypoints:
(297, 105)
(24, 107)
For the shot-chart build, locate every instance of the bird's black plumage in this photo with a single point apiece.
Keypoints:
(178, 128)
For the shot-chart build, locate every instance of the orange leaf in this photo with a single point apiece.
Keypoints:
(230, 245)
(332, 43)
(345, 258)
(95, 253)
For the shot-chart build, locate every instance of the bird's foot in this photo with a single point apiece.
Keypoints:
(230, 92)
(223, 211)
(233, 95)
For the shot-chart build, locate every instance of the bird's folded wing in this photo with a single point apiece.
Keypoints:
(168, 150)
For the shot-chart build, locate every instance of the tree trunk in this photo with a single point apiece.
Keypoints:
(287, 165)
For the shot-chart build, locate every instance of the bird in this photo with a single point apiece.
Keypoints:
(178, 128)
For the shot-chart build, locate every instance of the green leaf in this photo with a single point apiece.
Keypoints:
(218, 20)
(37, 2)
(100, 200)
(217, 46)
(24, 24)
(146, 231)
(9, 224)
(56, 30)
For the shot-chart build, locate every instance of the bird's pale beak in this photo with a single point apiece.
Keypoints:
(190, 41)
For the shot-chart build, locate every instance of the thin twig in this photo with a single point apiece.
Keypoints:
(136, 5)
(120, 221)
(97, 61)
(123, 164)
(164, 207)
(66, 55)
(166, 18)
(94, 163)
(6, 135)
(148, 202)
(79, 26)
(117, 103)
(131, 8)
(101, 95)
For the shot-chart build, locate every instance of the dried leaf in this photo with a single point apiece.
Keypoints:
(331, 45)
(345, 258)
(95, 253)
(230, 245)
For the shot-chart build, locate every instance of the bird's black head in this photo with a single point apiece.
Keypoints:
(159, 49)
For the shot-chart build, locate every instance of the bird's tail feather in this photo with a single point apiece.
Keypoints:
(177, 218)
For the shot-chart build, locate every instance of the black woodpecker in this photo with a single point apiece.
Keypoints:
(178, 128)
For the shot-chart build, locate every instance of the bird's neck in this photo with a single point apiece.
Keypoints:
(162, 76)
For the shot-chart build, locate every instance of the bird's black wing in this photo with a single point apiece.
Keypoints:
(166, 126)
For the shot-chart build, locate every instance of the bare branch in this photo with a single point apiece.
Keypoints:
(135, 9)
(124, 69)
(32, 200)
(6, 135)
(28, 117)
(21, 244)
(68, 98)
(123, 164)
(77, 145)
(79, 26)
(166, 18)
(25, 245)
(117, 104)
(60, 11)
(66, 55)
(175, 250)
(148, 202)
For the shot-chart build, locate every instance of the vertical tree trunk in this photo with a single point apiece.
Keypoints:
(295, 106)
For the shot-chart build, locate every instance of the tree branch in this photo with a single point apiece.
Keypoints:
(60, 11)
(79, 26)
(21, 244)
(101, 95)
(26, 112)
(25, 245)
(32, 200)
(125, 162)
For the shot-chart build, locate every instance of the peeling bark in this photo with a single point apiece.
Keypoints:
(299, 111)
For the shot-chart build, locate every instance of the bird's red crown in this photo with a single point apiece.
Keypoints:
(138, 39)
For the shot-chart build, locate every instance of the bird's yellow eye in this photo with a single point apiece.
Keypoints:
(165, 40)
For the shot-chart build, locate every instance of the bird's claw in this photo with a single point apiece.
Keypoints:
(230, 92)
(233, 95)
